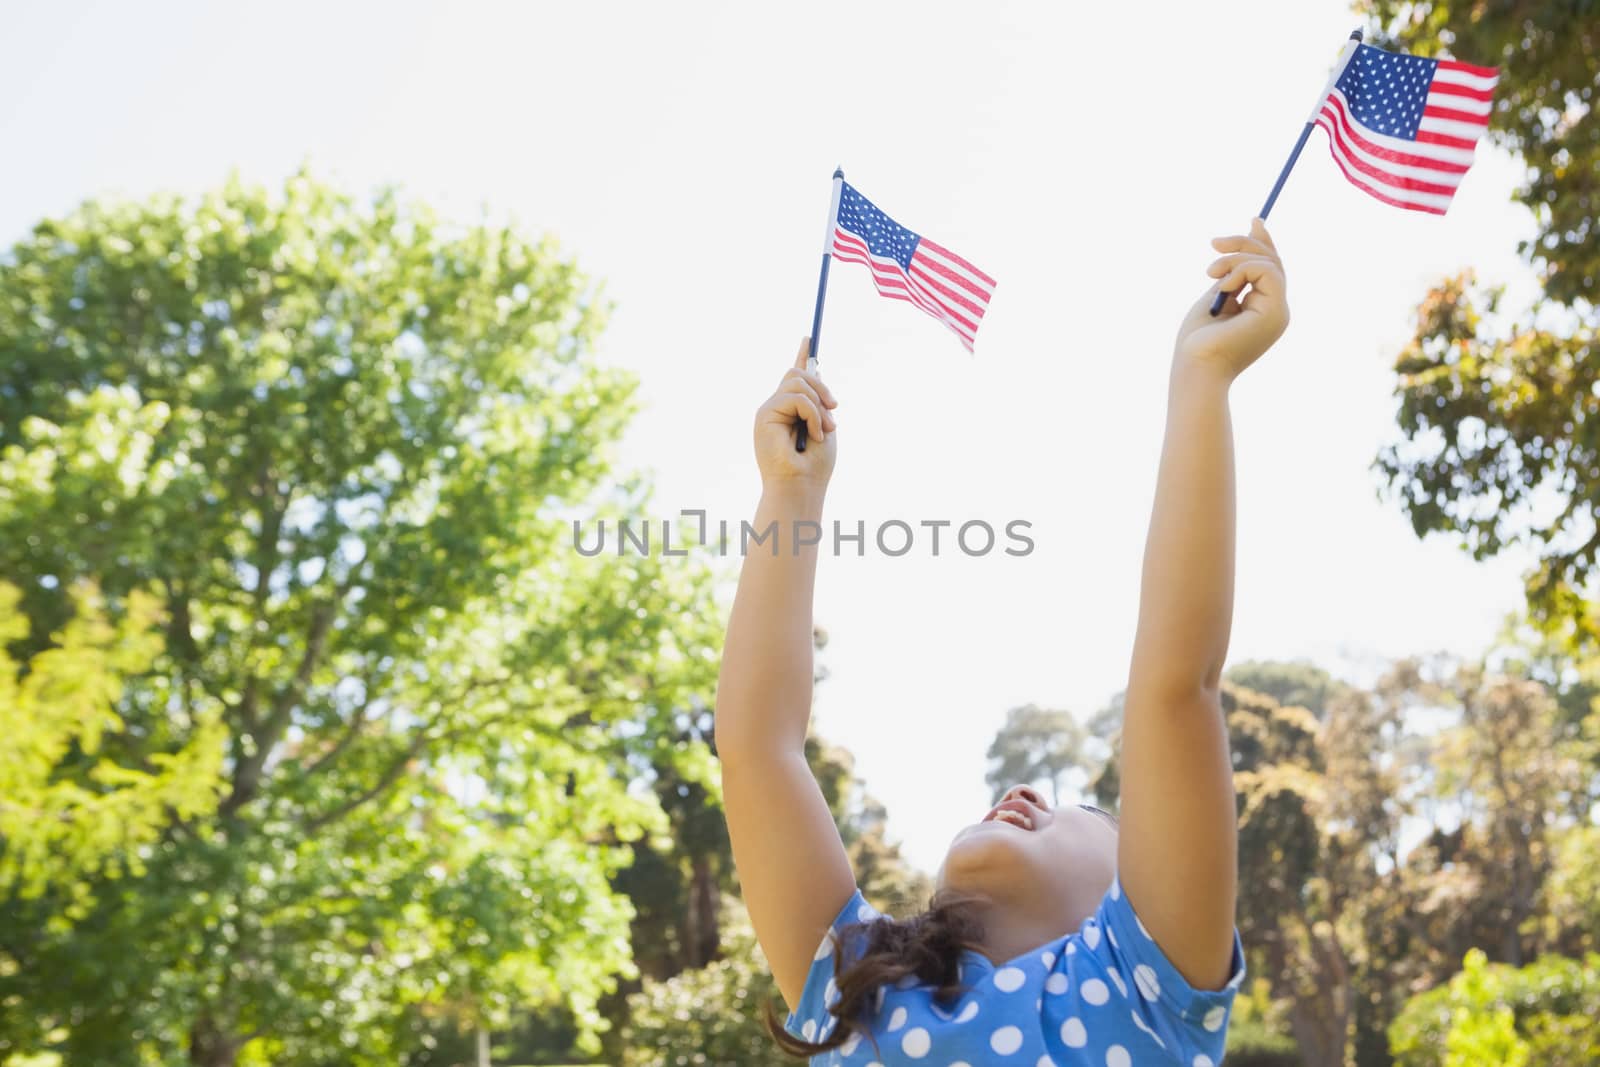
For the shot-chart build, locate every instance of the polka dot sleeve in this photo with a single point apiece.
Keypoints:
(1190, 1023)
(810, 1018)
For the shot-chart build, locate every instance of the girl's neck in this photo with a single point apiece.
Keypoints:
(1008, 933)
(1012, 928)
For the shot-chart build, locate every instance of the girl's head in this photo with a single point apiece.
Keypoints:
(1034, 874)
(1044, 869)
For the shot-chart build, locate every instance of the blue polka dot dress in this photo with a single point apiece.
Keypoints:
(1105, 996)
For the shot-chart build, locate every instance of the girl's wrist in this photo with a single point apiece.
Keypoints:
(796, 497)
(1200, 375)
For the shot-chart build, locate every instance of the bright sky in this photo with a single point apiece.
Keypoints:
(683, 154)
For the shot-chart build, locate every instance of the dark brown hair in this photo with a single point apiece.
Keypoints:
(928, 945)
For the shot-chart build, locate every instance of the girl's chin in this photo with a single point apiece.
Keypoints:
(979, 848)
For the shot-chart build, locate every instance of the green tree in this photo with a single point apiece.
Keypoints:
(1571, 904)
(676, 883)
(1035, 744)
(1299, 684)
(68, 812)
(1290, 909)
(1547, 1013)
(1498, 406)
(1257, 1029)
(341, 442)
(708, 1015)
(1507, 776)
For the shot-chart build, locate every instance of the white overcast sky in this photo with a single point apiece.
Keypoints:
(682, 152)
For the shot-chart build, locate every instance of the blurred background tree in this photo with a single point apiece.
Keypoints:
(1500, 406)
(1499, 445)
(1386, 831)
(338, 442)
(1035, 745)
(1546, 1014)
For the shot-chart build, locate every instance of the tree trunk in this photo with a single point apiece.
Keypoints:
(1319, 1029)
(703, 941)
(1524, 887)
(209, 1046)
(1319, 1014)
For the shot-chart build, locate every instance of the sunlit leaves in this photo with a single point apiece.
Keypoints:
(68, 809)
(338, 438)
(1545, 1013)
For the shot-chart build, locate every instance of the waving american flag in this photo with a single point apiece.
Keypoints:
(907, 266)
(1403, 127)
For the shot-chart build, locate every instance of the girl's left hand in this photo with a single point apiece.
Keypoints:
(800, 395)
(1242, 330)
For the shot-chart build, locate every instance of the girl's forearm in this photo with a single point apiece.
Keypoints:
(764, 690)
(1186, 591)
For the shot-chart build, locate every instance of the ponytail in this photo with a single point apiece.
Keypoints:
(927, 946)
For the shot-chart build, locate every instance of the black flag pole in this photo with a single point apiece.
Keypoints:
(1338, 69)
(822, 296)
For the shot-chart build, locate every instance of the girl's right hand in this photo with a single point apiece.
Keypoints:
(800, 395)
(1229, 342)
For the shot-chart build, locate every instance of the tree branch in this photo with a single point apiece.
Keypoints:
(266, 561)
(272, 513)
(423, 739)
(247, 779)
(352, 730)
(390, 775)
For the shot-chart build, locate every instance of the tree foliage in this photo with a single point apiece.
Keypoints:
(1570, 904)
(1345, 921)
(1258, 1029)
(708, 1016)
(69, 812)
(338, 441)
(1547, 1013)
(1344, 912)
(1035, 745)
(1500, 407)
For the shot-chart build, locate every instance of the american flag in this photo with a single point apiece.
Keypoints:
(1403, 127)
(906, 266)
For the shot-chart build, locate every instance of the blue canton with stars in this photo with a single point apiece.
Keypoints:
(1386, 91)
(886, 238)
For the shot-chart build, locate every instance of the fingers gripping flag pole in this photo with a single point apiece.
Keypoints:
(1350, 47)
(1402, 128)
(822, 296)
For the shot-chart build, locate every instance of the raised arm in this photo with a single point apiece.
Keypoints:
(793, 871)
(1178, 849)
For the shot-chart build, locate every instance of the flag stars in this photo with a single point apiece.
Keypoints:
(1387, 92)
(885, 238)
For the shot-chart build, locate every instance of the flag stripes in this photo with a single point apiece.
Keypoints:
(907, 266)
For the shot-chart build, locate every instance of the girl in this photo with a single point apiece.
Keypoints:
(1056, 936)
